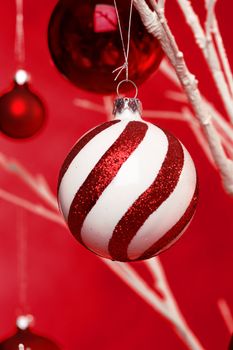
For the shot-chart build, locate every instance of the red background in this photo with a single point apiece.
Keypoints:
(75, 299)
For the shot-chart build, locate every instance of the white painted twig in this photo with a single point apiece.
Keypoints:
(205, 43)
(166, 68)
(186, 116)
(195, 127)
(213, 33)
(160, 283)
(170, 115)
(213, 61)
(220, 121)
(222, 54)
(225, 128)
(166, 306)
(210, 9)
(134, 281)
(86, 104)
(226, 314)
(31, 207)
(37, 183)
(155, 22)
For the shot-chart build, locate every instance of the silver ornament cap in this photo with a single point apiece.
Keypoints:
(127, 103)
(127, 107)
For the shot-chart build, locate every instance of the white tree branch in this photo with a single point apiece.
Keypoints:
(166, 305)
(89, 105)
(195, 127)
(222, 53)
(156, 23)
(226, 314)
(205, 42)
(37, 183)
(167, 70)
(212, 30)
(32, 207)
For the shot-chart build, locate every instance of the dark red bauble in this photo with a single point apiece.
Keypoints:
(22, 113)
(29, 340)
(85, 44)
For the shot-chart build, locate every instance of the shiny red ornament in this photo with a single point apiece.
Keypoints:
(85, 44)
(29, 340)
(22, 113)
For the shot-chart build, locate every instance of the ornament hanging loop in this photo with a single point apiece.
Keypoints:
(120, 69)
(127, 81)
(125, 65)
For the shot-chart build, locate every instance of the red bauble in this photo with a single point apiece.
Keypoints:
(22, 113)
(29, 340)
(85, 44)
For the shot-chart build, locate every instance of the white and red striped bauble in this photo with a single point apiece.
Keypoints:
(127, 189)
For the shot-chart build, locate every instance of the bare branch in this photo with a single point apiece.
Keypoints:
(226, 314)
(166, 306)
(32, 207)
(205, 43)
(37, 183)
(156, 23)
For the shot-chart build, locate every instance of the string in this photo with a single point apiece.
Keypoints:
(125, 50)
(19, 34)
(22, 261)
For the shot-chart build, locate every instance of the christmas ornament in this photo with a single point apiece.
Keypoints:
(86, 47)
(22, 113)
(25, 339)
(127, 189)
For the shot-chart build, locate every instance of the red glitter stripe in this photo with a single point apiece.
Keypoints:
(149, 201)
(103, 173)
(80, 144)
(174, 232)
